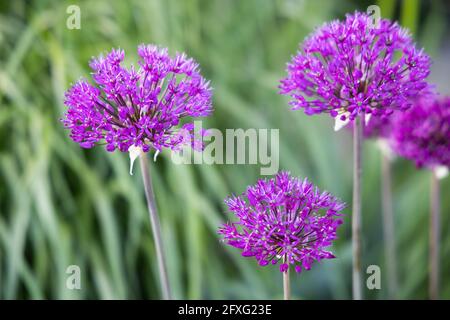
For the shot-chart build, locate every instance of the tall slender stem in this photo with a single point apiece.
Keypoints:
(156, 228)
(434, 236)
(286, 284)
(388, 226)
(356, 214)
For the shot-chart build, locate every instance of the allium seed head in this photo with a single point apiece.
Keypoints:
(352, 67)
(139, 107)
(283, 218)
(422, 134)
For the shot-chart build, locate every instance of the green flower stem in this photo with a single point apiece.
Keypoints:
(356, 212)
(388, 226)
(434, 236)
(286, 284)
(156, 227)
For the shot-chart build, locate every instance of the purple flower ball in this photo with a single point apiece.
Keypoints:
(283, 219)
(138, 107)
(352, 67)
(422, 134)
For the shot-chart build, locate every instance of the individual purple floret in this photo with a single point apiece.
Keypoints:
(285, 219)
(422, 134)
(138, 108)
(350, 67)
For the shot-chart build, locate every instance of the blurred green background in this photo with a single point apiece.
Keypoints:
(61, 205)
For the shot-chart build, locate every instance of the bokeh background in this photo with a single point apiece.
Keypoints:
(61, 205)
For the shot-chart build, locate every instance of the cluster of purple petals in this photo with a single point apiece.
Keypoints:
(422, 133)
(283, 219)
(143, 106)
(352, 67)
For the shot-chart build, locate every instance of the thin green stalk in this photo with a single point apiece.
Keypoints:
(388, 226)
(286, 284)
(156, 228)
(356, 212)
(434, 236)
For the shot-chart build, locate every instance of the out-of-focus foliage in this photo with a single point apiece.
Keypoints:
(61, 206)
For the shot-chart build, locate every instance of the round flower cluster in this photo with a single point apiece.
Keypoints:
(286, 219)
(353, 67)
(422, 134)
(141, 107)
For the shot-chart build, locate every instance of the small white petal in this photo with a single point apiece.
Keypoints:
(156, 155)
(339, 124)
(441, 172)
(385, 148)
(134, 152)
(367, 117)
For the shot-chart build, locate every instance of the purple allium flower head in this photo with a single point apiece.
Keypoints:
(349, 67)
(422, 133)
(283, 218)
(138, 107)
